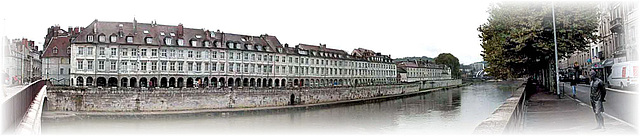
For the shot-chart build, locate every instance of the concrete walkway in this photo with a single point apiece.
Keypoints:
(546, 114)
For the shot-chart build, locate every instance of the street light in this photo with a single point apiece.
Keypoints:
(555, 43)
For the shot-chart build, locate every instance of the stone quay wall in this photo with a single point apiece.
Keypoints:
(184, 99)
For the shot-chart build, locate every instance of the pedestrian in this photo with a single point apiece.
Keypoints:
(598, 93)
(576, 78)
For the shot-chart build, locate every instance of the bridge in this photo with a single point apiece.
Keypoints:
(22, 109)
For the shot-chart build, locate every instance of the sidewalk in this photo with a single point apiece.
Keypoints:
(546, 114)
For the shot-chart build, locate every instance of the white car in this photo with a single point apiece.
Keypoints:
(624, 74)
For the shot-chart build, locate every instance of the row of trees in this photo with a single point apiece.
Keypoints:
(518, 37)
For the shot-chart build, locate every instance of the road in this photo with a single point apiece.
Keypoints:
(620, 104)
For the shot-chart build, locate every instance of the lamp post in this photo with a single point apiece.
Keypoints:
(555, 43)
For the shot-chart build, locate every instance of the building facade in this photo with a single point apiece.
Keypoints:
(56, 57)
(422, 71)
(24, 63)
(131, 54)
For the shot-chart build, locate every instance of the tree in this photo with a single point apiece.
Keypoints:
(451, 62)
(518, 37)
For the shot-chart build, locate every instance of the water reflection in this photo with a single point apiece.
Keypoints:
(451, 111)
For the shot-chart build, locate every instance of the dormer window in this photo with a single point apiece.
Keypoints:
(145, 31)
(198, 36)
(218, 44)
(244, 39)
(102, 38)
(129, 39)
(149, 40)
(181, 42)
(55, 50)
(230, 45)
(249, 47)
(280, 50)
(113, 38)
(238, 46)
(207, 44)
(167, 41)
(89, 38)
(194, 43)
(68, 50)
(172, 34)
(259, 47)
(162, 33)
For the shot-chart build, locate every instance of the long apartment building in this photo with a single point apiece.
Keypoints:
(132, 54)
(419, 71)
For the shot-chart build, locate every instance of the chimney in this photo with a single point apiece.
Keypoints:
(180, 30)
(286, 45)
(323, 46)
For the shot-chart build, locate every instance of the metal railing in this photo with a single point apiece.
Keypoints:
(15, 107)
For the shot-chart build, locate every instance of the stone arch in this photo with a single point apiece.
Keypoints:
(214, 82)
(124, 82)
(270, 83)
(205, 82)
(172, 82)
(190, 82)
(79, 81)
(221, 82)
(164, 82)
(295, 82)
(112, 82)
(252, 82)
(132, 82)
(101, 81)
(245, 82)
(153, 82)
(277, 82)
(259, 82)
(230, 84)
(143, 82)
(284, 82)
(180, 82)
(238, 82)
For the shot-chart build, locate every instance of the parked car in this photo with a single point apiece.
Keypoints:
(623, 75)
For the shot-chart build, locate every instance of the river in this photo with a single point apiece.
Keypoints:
(453, 111)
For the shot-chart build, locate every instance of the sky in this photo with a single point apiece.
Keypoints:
(397, 28)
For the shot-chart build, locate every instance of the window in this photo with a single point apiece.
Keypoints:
(190, 66)
(113, 65)
(102, 38)
(207, 44)
(129, 39)
(80, 64)
(230, 67)
(124, 52)
(214, 54)
(231, 56)
(61, 71)
(206, 54)
(167, 41)
(154, 66)
(114, 51)
(154, 52)
(143, 52)
(149, 40)
(89, 38)
(198, 67)
(90, 64)
(89, 50)
(181, 42)
(190, 54)
(214, 67)
(101, 51)
(113, 38)
(277, 58)
(164, 66)
(246, 56)
(206, 66)
(143, 66)
(55, 50)
(253, 57)
(222, 55)
(80, 50)
(172, 66)
(194, 43)
(172, 54)
(180, 53)
(222, 67)
(198, 55)
(134, 52)
(123, 65)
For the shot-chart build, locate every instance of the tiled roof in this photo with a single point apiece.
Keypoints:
(60, 43)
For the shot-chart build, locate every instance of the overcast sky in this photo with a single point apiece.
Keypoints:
(398, 28)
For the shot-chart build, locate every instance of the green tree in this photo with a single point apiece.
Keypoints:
(451, 62)
(518, 37)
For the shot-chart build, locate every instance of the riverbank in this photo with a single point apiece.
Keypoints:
(66, 114)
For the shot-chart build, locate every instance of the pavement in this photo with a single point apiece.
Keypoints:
(546, 114)
(620, 104)
(10, 91)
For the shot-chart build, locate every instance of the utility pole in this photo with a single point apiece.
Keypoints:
(555, 42)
